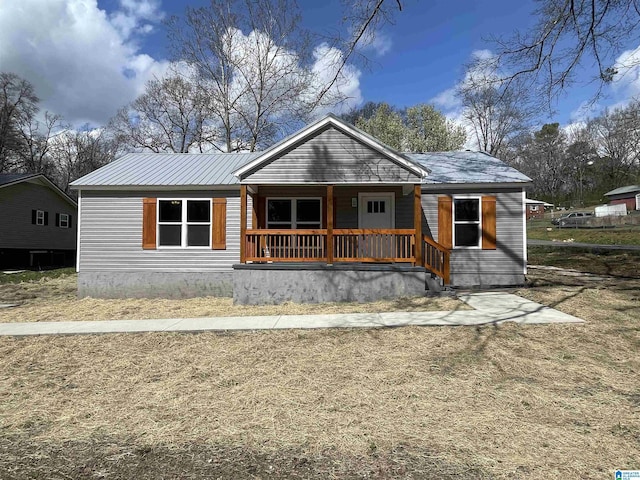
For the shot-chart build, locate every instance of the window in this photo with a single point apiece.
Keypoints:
(466, 222)
(64, 220)
(375, 206)
(294, 213)
(184, 223)
(39, 217)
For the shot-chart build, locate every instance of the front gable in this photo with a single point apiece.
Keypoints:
(331, 153)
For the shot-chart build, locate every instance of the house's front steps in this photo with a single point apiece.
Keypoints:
(274, 283)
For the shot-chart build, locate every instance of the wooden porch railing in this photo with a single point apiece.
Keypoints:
(349, 245)
(274, 245)
(374, 245)
(436, 259)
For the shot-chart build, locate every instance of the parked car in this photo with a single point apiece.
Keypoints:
(573, 219)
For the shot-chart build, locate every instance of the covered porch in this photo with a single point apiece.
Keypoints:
(347, 224)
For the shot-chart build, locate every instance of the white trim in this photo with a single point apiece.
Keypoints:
(38, 212)
(473, 186)
(392, 205)
(152, 188)
(184, 224)
(339, 125)
(638, 201)
(466, 222)
(294, 211)
(524, 231)
(78, 230)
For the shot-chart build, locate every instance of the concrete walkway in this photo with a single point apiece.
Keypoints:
(489, 308)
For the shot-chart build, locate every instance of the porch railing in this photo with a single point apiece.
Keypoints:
(348, 245)
(437, 259)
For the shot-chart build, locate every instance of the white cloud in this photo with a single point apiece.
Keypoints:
(83, 63)
(327, 61)
(377, 41)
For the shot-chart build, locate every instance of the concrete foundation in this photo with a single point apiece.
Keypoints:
(256, 284)
(137, 284)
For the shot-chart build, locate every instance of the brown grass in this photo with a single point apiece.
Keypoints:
(54, 299)
(539, 402)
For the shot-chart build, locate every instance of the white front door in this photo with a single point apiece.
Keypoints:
(376, 210)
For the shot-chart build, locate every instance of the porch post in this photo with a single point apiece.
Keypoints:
(417, 223)
(243, 222)
(330, 224)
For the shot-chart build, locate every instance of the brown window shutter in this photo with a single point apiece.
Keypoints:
(219, 224)
(335, 211)
(445, 231)
(149, 223)
(488, 223)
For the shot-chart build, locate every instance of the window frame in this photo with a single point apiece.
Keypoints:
(66, 220)
(40, 219)
(455, 222)
(184, 224)
(294, 211)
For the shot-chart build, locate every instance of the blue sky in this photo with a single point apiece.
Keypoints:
(76, 52)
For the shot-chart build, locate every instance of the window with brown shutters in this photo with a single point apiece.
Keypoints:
(467, 222)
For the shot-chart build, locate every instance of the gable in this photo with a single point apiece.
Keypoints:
(331, 156)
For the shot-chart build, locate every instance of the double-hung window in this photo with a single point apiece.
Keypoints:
(467, 228)
(40, 217)
(294, 213)
(184, 223)
(64, 220)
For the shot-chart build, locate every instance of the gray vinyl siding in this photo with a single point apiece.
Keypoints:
(476, 267)
(111, 235)
(330, 156)
(17, 231)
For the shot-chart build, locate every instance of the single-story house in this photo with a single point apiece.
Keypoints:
(629, 195)
(328, 213)
(535, 208)
(38, 223)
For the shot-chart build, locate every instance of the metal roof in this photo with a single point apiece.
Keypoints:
(194, 169)
(466, 167)
(6, 178)
(168, 169)
(627, 189)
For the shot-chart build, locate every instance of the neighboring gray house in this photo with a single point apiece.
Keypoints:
(38, 223)
(329, 213)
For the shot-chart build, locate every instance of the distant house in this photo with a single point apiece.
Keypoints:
(38, 223)
(629, 195)
(535, 208)
(327, 214)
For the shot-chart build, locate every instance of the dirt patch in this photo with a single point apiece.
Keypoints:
(115, 458)
(54, 299)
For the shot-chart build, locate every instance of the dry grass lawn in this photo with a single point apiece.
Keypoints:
(532, 402)
(54, 299)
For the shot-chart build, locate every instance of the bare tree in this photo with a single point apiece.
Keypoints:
(495, 111)
(34, 154)
(78, 152)
(173, 115)
(568, 35)
(617, 139)
(18, 107)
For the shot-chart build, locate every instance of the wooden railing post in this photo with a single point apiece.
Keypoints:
(417, 223)
(243, 222)
(329, 225)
